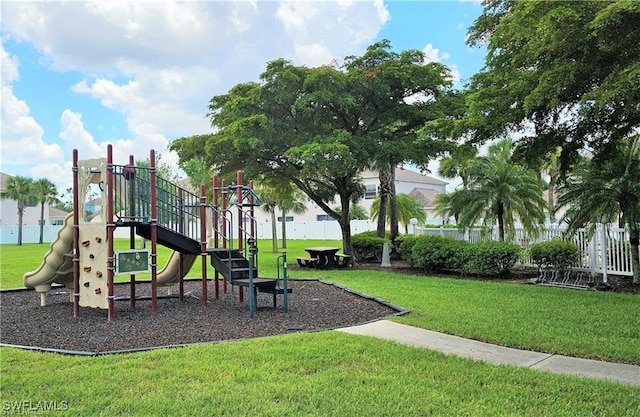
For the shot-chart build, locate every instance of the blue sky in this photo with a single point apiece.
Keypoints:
(139, 74)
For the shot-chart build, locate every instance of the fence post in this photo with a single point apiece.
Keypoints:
(603, 249)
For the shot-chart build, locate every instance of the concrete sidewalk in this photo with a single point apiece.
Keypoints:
(413, 336)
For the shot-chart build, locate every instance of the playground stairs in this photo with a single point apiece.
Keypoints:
(234, 267)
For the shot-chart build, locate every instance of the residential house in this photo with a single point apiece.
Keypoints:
(9, 209)
(420, 186)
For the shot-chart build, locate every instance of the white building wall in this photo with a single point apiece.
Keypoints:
(9, 214)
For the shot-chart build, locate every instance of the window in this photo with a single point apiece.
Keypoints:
(58, 222)
(288, 219)
(323, 217)
(371, 190)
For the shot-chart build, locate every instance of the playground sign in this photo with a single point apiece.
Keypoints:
(132, 261)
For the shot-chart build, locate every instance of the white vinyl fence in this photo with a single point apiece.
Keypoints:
(616, 257)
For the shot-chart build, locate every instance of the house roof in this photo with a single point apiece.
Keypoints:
(3, 180)
(55, 212)
(407, 175)
(425, 196)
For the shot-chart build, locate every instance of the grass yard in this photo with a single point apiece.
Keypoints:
(316, 374)
(330, 373)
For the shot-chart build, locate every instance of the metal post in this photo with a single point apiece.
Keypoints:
(240, 214)
(76, 238)
(154, 232)
(240, 223)
(252, 291)
(132, 232)
(223, 226)
(215, 220)
(285, 295)
(203, 241)
(110, 227)
(181, 266)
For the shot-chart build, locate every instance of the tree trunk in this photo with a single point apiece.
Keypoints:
(551, 198)
(274, 232)
(284, 229)
(634, 241)
(500, 213)
(393, 206)
(20, 214)
(41, 222)
(385, 178)
(345, 227)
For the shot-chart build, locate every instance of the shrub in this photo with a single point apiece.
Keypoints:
(557, 254)
(367, 246)
(404, 246)
(493, 257)
(436, 252)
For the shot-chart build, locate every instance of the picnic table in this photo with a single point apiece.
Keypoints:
(323, 257)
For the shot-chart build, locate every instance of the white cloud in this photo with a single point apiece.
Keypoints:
(432, 54)
(9, 68)
(159, 63)
(22, 137)
(341, 28)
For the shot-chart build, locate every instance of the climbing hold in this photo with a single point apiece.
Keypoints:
(85, 243)
(99, 274)
(87, 269)
(98, 290)
(86, 285)
(98, 239)
(91, 256)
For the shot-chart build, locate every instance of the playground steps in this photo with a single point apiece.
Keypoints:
(231, 264)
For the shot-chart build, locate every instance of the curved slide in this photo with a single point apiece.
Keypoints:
(57, 265)
(170, 273)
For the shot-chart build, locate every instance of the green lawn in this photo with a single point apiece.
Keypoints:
(330, 373)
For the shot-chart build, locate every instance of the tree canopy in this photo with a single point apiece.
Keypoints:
(321, 127)
(569, 70)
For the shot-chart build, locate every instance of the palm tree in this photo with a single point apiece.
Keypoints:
(603, 188)
(46, 192)
(458, 163)
(284, 196)
(552, 167)
(19, 189)
(498, 192)
(269, 204)
(408, 207)
(290, 201)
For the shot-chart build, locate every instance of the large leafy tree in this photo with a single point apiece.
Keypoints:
(318, 128)
(600, 189)
(46, 193)
(402, 93)
(569, 70)
(21, 190)
(498, 192)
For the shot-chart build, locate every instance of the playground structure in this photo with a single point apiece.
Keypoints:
(83, 255)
